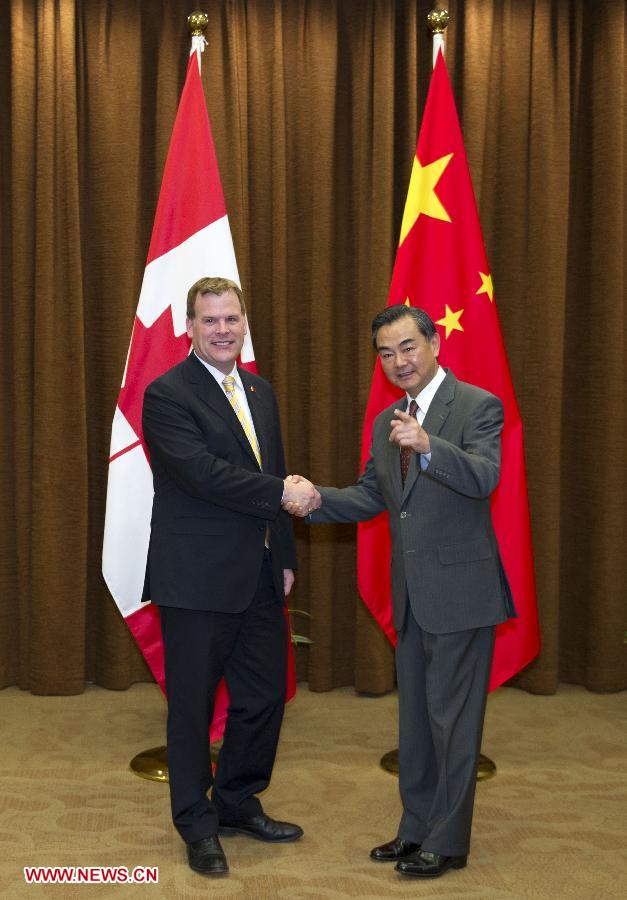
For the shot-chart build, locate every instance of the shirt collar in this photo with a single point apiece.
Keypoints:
(427, 394)
(217, 374)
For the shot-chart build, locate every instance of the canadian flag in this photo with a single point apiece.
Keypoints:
(191, 238)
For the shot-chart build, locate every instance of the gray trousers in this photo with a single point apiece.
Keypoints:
(442, 689)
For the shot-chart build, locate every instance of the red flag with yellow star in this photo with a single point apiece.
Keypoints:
(442, 267)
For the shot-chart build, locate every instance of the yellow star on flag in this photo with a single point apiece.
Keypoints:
(450, 320)
(421, 196)
(486, 286)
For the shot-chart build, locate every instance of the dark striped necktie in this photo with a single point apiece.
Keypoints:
(406, 452)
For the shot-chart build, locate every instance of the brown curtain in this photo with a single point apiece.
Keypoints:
(315, 107)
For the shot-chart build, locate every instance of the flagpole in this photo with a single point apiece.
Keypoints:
(152, 764)
(438, 20)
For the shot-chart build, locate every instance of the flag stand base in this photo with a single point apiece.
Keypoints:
(153, 764)
(486, 768)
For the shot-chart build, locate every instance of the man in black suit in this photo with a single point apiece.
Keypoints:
(220, 561)
(434, 462)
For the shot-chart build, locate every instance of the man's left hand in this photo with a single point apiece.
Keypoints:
(406, 432)
(288, 580)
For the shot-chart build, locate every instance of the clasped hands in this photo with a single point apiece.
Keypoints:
(300, 497)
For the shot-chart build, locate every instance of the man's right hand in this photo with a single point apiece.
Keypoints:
(300, 497)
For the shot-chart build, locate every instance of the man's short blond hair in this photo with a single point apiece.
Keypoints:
(212, 286)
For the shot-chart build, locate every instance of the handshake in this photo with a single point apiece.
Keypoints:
(300, 496)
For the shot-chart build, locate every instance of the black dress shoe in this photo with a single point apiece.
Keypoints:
(424, 864)
(207, 856)
(263, 828)
(394, 850)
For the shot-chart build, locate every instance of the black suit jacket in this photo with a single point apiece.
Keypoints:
(212, 503)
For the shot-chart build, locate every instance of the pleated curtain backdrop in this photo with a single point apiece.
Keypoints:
(315, 108)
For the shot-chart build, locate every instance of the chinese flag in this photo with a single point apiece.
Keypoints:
(191, 238)
(442, 267)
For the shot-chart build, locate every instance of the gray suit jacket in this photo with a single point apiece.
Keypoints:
(445, 557)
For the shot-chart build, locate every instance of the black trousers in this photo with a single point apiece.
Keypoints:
(250, 650)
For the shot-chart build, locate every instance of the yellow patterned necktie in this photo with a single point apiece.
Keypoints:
(229, 387)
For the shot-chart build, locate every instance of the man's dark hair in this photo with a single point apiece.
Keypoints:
(424, 322)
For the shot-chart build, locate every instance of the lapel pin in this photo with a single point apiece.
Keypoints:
(252, 387)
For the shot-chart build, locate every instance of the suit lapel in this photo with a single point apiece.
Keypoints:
(260, 413)
(439, 408)
(207, 388)
(412, 474)
(393, 451)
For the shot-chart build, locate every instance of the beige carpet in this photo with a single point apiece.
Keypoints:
(552, 824)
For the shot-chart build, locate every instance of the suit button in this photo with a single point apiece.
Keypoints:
(403, 515)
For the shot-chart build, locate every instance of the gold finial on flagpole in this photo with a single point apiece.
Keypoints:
(197, 23)
(438, 20)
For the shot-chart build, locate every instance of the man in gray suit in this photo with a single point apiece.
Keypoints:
(434, 462)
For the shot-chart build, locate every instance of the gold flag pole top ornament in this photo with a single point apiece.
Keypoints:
(153, 764)
(438, 20)
(197, 23)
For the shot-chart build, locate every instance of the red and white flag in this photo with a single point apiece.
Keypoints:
(442, 267)
(191, 238)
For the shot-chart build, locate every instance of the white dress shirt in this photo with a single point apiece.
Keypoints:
(423, 400)
(240, 393)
